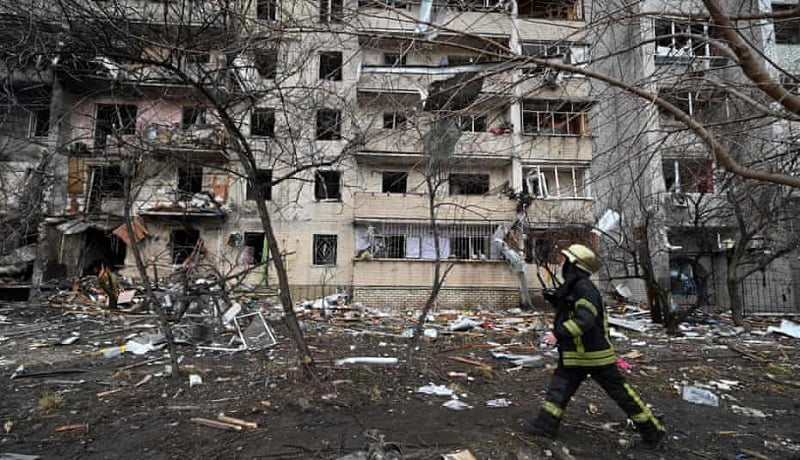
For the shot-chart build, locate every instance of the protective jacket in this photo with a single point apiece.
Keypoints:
(581, 325)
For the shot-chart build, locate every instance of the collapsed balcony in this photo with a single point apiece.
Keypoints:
(204, 142)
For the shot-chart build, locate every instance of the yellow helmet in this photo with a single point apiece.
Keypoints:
(583, 258)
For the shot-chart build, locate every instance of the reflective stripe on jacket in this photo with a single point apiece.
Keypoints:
(581, 327)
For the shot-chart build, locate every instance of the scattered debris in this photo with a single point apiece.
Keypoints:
(195, 380)
(13, 456)
(237, 421)
(80, 426)
(456, 404)
(697, 395)
(463, 454)
(216, 424)
(432, 389)
(500, 402)
(787, 327)
(367, 360)
(748, 411)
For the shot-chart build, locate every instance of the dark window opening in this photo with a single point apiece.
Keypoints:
(329, 126)
(113, 120)
(184, 242)
(254, 248)
(106, 182)
(101, 249)
(394, 182)
(457, 59)
(266, 64)
(470, 247)
(544, 246)
(263, 182)
(267, 10)
(549, 9)
(190, 179)
(330, 65)
(331, 11)
(689, 176)
(191, 116)
(327, 186)
(394, 120)
(262, 122)
(391, 247)
(787, 31)
(41, 123)
(472, 123)
(469, 184)
(394, 59)
(324, 250)
(198, 58)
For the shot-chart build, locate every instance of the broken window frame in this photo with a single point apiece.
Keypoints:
(394, 182)
(260, 252)
(468, 183)
(545, 181)
(262, 122)
(328, 185)
(669, 46)
(679, 179)
(331, 11)
(193, 116)
(331, 65)
(472, 123)
(267, 10)
(324, 250)
(182, 252)
(264, 179)
(551, 10)
(690, 102)
(419, 244)
(40, 123)
(190, 179)
(394, 120)
(787, 31)
(329, 125)
(122, 122)
(555, 118)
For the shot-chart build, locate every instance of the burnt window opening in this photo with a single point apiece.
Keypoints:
(266, 63)
(394, 60)
(41, 123)
(394, 182)
(198, 58)
(330, 65)
(328, 186)
(394, 120)
(255, 248)
(469, 247)
(331, 11)
(106, 182)
(190, 179)
(329, 125)
(472, 123)
(390, 246)
(688, 175)
(549, 9)
(184, 242)
(325, 247)
(262, 122)
(787, 31)
(113, 120)
(101, 249)
(469, 184)
(192, 116)
(544, 246)
(267, 10)
(263, 182)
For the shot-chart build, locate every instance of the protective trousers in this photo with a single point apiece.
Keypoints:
(565, 383)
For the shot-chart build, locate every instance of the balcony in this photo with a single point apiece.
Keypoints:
(404, 20)
(418, 79)
(414, 207)
(543, 147)
(191, 143)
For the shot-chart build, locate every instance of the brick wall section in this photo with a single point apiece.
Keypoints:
(405, 298)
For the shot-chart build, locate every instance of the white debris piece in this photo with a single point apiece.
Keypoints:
(500, 402)
(464, 324)
(195, 379)
(456, 404)
(789, 328)
(748, 411)
(638, 325)
(701, 396)
(432, 389)
(366, 360)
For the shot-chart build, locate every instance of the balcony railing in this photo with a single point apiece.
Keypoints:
(201, 142)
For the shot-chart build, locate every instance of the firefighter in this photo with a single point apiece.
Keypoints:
(585, 349)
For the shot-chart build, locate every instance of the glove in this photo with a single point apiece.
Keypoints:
(551, 297)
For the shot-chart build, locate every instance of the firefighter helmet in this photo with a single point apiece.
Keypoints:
(583, 257)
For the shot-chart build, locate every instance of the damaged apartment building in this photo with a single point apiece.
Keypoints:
(333, 99)
(680, 209)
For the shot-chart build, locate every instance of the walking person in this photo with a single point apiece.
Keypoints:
(585, 349)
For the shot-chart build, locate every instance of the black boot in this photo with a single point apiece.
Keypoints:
(544, 425)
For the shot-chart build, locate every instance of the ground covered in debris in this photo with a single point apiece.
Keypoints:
(71, 398)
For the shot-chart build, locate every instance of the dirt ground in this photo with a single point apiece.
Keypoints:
(350, 407)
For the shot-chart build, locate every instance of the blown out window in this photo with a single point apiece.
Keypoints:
(324, 250)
